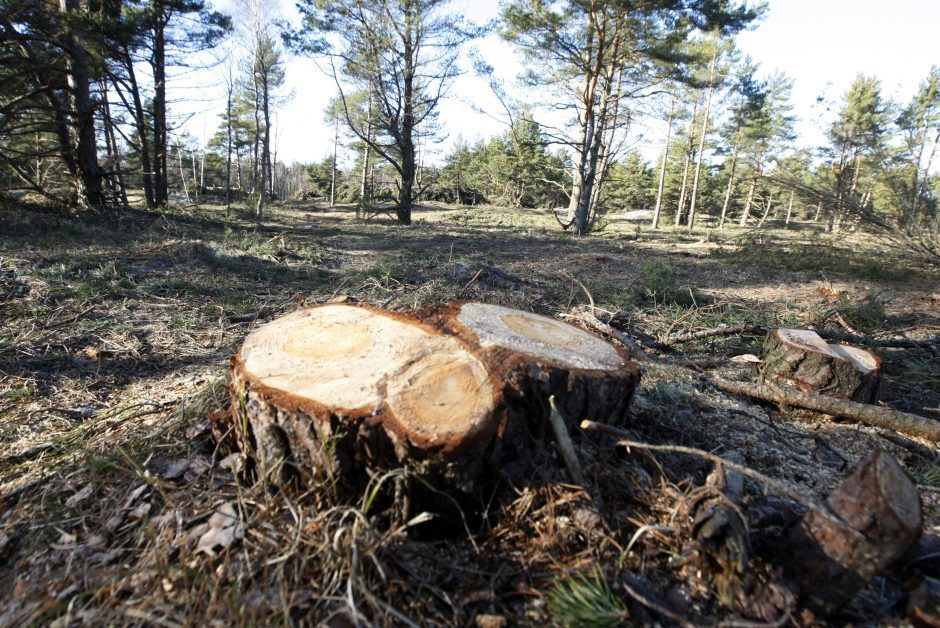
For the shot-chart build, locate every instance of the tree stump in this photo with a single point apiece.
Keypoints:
(877, 518)
(333, 389)
(801, 359)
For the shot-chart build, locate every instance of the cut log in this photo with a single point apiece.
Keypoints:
(333, 389)
(878, 519)
(800, 359)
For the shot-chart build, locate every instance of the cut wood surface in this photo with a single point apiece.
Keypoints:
(801, 359)
(334, 388)
(879, 518)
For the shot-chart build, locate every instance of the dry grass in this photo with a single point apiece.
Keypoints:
(114, 341)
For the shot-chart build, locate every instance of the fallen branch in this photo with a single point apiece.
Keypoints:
(624, 439)
(890, 343)
(876, 416)
(564, 443)
(743, 328)
(590, 320)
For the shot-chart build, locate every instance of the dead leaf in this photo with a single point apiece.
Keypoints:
(223, 530)
(233, 462)
(746, 358)
(176, 469)
(80, 496)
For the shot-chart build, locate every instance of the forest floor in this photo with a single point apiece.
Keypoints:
(115, 340)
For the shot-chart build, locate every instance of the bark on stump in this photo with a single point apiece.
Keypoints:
(330, 390)
(799, 358)
(877, 518)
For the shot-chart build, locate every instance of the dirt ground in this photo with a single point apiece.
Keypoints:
(119, 506)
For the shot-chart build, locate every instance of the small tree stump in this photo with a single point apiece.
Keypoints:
(332, 389)
(801, 359)
(877, 519)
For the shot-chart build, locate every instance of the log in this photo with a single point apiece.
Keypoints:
(800, 359)
(878, 519)
(334, 389)
(877, 416)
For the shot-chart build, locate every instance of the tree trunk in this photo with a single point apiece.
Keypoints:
(750, 195)
(82, 111)
(734, 163)
(335, 389)
(363, 184)
(877, 517)
(689, 151)
(228, 144)
(770, 202)
(160, 147)
(266, 144)
(333, 168)
(140, 125)
(801, 359)
(701, 141)
(662, 172)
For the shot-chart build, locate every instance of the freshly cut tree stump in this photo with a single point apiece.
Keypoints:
(333, 389)
(877, 518)
(537, 357)
(801, 359)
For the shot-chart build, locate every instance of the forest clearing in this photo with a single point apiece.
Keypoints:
(471, 313)
(115, 359)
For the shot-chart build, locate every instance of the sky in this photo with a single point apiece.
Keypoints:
(822, 44)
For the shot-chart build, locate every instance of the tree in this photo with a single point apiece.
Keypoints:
(919, 124)
(266, 74)
(156, 35)
(857, 133)
(590, 51)
(747, 100)
(404, 53)
(767, 133)
(50, 70)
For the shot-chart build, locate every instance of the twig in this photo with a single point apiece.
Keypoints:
(623, 439)
(872, 415)
(564, 443)
(636, 351)
(590, 297)
(844, 324)
(469, 283)
(916, 448)
(659, 608)
(890, 343)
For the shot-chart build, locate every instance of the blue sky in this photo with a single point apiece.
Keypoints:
(821, 44)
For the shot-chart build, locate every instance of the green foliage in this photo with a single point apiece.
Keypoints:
(868, 314)
(580, 600)
(659, 285)
(513, 169)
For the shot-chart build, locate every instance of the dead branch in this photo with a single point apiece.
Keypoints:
(743, 328)
(591, 321)
(564, 443)
(876, 416)
(624, 439)
(889, 343)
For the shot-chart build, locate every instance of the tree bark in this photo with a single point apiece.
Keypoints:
(160, 145)
(88, 188)
(800, 358)
(701, 141)
(331, 390)
(734, 163)
(878, 517)
(689, 152)
(662, 172)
